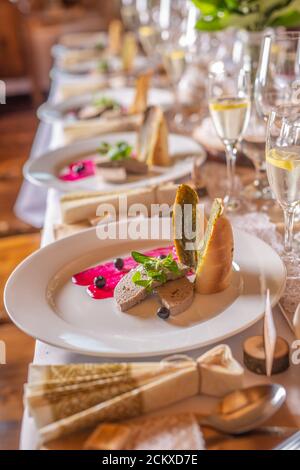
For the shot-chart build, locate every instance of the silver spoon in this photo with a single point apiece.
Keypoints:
(246, 409)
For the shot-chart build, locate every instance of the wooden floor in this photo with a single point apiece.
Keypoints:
(17, 240)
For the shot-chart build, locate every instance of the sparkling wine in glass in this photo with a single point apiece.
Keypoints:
(278, 72)
(283, 168)
(229, 105)
(253, 146)
(174, 60)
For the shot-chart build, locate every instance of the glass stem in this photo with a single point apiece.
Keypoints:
(288, 232)
(231, 153)
(259, 175)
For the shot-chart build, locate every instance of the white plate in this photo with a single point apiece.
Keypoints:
(52, 112)
(44, 170)
(41, 300)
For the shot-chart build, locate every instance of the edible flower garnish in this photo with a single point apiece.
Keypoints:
(155, 269)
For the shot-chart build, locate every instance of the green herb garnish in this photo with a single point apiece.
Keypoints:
(104, 148)
(103, 66)
(105, 102)
(118, 151)
(156, 269)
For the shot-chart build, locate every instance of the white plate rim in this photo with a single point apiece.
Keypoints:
(185, 166)
(52, 112)
(126, 354)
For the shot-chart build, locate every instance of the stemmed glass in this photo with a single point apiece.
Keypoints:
(253, 146)
(229, 105)
(283, 168)
(278, 72)
(174, 60)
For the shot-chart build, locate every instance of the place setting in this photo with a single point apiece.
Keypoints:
(164, 299)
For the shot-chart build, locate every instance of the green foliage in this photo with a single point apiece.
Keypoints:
(253, 15)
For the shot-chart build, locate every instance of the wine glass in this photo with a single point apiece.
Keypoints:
(278, 72)
(229, 105)
(253, 146)
(129, 14)
(283, 168)
(174, 61)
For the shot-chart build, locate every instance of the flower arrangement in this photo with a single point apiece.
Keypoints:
(252, 15)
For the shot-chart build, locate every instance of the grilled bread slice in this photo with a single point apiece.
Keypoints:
(152, 141)
(214, 267)
(186, 222)
(139, 104)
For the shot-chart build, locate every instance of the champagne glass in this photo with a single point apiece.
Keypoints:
(129, 14)
(278, 72)
(253, 146)
(283, 168)
(229, 105)
(174, 60)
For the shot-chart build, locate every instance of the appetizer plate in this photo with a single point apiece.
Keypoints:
(45, 169)
(50, 112)
(42, 300)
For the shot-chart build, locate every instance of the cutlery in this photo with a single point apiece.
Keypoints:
(292, 443)
(247, 409)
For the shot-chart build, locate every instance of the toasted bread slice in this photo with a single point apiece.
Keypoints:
(139, 104)
(184, 217)
(129, 51)
(115, 29)
(214, 267)
(188, 225)
(152, 141)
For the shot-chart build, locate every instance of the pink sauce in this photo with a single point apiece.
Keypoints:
(70, 173)
(111, 274)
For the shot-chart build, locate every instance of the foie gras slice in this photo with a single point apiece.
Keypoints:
(127, 294)
(176, 295)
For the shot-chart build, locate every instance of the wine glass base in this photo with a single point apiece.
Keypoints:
(255, 192)
(232, 204)
(292, 264)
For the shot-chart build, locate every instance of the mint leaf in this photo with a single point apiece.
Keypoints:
(139, 257)
(104, 148)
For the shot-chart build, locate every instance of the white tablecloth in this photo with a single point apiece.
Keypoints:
(30, 207)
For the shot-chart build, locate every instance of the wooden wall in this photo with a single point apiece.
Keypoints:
(12, 63)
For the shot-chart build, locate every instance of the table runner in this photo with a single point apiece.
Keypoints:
(289, 415)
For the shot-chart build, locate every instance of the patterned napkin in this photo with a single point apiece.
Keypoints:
(64, 399)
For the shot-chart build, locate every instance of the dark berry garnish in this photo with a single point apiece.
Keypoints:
(163, 312)
(99, 282)
(78, 168)
(162, 256)
(119, 263)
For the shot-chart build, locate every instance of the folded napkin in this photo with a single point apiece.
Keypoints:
(68, 90)
(82, 206)
(92, 127)
(79, 40)
(73, 57)
(64, 399)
